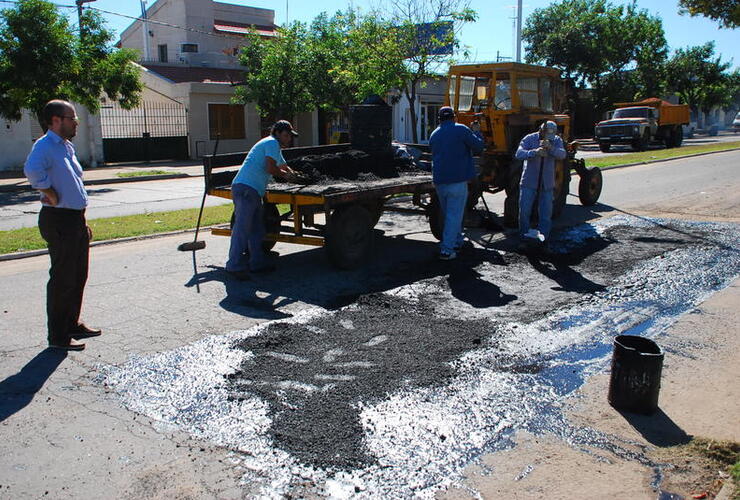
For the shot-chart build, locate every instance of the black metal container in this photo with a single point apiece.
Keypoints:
(637, 364)
(370, 127)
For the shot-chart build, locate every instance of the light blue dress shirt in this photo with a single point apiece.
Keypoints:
(253, 172)
(52, 163)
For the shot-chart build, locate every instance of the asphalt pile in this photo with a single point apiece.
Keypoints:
(352, 165)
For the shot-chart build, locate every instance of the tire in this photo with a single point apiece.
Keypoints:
(511, 203)
(641, 144)
(562, 186)
(349, 236)
(436, 221)
(272, 224)
(376, 210)
(605, 147)
(678, 137)
(589, 187)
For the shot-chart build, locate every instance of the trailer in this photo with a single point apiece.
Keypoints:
(350, 209)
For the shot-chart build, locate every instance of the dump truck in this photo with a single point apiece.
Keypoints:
(642, 123)
(511, 100)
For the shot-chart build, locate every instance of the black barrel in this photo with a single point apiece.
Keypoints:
(637, 364)
(370, 127)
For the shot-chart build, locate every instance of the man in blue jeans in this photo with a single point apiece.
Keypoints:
(248, 188)
(539, 150)
(453, 145)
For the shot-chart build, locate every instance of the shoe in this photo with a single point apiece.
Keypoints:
(240, 275)
(447, 256)
(83, 331)
(68, 346)
(264, 269)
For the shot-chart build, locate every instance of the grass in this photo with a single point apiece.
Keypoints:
(142, 173)
(659, 154)
(28, 238)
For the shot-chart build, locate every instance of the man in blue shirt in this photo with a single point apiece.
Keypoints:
(248, 188)
(53, 169)
(539, 150)
(453, 145)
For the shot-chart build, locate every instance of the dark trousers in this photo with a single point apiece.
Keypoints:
(67, 235)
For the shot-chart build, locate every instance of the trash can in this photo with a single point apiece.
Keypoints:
(637, 364)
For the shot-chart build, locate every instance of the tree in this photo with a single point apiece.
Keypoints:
(42, 58)
(700, 79)
(619, 50)
(727, 12)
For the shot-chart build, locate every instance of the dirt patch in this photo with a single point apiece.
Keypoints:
(350, 165)
(700, 467)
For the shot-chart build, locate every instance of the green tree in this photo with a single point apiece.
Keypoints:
(700, 79)
(726, 12)
(619, 50)
(42, 58)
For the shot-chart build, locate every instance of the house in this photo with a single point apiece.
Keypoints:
(430, 96)
(189, 66)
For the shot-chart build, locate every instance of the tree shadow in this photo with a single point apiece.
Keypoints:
(657, 429)
(17, 391)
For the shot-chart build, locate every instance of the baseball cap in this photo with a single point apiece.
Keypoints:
(282, 126)
(445, 113)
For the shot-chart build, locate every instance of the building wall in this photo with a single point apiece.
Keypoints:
(433, 94)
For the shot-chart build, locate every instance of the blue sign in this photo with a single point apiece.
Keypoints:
(436, 39)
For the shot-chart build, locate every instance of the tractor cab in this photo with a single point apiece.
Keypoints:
(508, 99)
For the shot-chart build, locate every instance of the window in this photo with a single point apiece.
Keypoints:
(502, 99)
(451, 91)
(189, 47)
(467, 89)
(162, 49)
(546, 85)
(226, 121)
(429, 120)
(528, 93)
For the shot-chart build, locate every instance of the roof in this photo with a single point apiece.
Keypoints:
(503, 66)
(243, 29)
(182, 74)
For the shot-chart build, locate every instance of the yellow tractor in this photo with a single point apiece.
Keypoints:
(511, 100)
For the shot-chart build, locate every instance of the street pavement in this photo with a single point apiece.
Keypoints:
(64, 431)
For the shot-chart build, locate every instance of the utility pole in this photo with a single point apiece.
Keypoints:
(79, 4)
(519, 31)
(144, 30)
(287, 15)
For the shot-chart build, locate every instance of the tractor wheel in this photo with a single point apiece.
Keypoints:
(605, 147)
(272, 224)
(511, 203)
(349, 236)
(562, 186)
(436, 221)
(589, 187)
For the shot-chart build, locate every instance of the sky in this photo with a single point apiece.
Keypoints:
(493, 32)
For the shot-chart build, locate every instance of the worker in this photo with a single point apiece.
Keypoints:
(539, 150)
(453, 146)
(53, 169)
(264, 160)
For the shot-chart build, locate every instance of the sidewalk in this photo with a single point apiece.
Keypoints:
(16, 181)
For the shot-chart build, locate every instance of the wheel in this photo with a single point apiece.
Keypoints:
(670, 140)
(376, 210)
(678, 137)
(436, 221)
(349, 236)
(641, 144)
(589, 187)
(562, 186)
(511, 203)
(605, 147)
(272, 224)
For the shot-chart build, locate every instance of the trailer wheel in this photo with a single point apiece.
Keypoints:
(605, 147)
(562, 186)
(272, 224)
(436, 221)
(349, 236)
(589, 187)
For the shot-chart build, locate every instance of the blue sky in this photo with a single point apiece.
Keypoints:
(493, 31)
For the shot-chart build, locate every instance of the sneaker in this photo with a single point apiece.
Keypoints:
(70, 345)
(447, 255)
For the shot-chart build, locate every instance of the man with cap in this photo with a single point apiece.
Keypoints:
(453, 146)
(248, 188)
(539, 150)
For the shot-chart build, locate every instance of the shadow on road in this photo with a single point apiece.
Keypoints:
(18, 390)
(658, 429)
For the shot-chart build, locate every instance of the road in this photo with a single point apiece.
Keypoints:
(20, 209)
(591, 150)
(181, 397)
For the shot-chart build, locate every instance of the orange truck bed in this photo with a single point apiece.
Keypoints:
(670, 114)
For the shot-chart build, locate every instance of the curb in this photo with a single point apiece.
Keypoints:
(44, 251)
(612, 167)
(113, 180)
